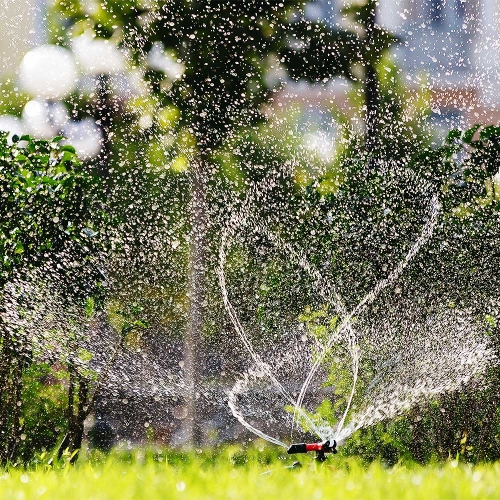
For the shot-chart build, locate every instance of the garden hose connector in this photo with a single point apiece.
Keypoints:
(321, 449)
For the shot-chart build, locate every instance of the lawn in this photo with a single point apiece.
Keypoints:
(233, 474)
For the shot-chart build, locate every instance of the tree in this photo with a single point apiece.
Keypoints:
(225, 51)
(48, 221)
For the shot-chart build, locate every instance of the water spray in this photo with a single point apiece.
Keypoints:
(321, 448)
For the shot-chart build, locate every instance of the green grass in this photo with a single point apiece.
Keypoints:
(232, 474)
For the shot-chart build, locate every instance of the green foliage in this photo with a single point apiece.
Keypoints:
(44, 400)
(46, 201)
(338, 363)
(460, 173)
(132, 320)
(463, 425)
(49, 218)
(463, 167)
(389, 442)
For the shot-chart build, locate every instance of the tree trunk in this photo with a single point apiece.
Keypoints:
(16, 425)
(372, 87)
(11, 384)
(81, 402)
(418, 443)
(193, 342)
(6, 349)
(77, 419)
(76, 412)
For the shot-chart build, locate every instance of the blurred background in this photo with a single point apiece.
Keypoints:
(450, 47)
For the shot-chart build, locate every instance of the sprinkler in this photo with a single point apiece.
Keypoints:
(329, 446)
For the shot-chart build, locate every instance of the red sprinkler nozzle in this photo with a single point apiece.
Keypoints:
(319, 448)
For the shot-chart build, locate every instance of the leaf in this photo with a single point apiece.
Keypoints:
(67, 156)
(68, 147)
(141, 323)
(452, 135)
(469, 134)
(19, 248)
(489, 132)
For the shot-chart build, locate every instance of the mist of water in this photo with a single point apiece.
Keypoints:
(439, 354)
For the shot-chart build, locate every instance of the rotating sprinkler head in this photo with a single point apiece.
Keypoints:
(329, 446)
